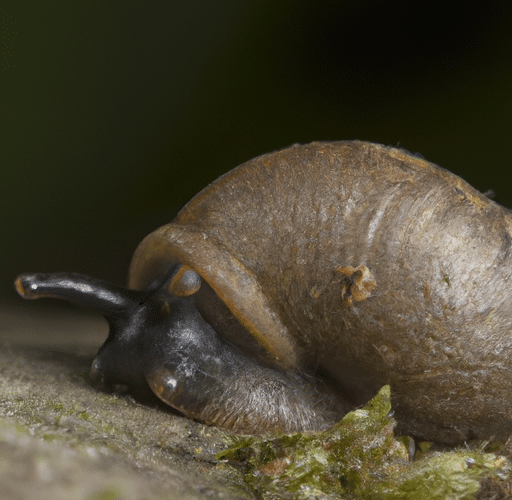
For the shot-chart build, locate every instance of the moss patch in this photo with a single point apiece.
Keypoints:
(360, 457)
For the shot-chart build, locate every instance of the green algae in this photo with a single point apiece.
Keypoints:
(107, 494)
(450, 475)
(446, 279)
(360, 457)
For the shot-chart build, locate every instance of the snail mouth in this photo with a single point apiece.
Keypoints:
(100, 382)
(119, 388)
(96, 376)
(108, 379)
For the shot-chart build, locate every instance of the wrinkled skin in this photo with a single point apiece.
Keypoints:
(320, 273)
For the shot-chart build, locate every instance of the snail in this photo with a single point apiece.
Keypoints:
(292, 288)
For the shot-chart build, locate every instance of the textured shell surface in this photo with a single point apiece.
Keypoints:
(366, 262)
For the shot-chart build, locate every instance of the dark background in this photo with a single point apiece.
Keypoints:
(115, 113)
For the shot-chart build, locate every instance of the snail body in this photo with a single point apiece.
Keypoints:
(292, 288)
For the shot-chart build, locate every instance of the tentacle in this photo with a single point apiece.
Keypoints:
(110, 300)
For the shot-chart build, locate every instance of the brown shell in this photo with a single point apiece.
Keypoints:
(368, 262)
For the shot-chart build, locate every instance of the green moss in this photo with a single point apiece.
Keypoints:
(55, 406)
(68, 410)
(108, 494)
(450, 475)
(109, 428)
(49, 437)
(359, 457)
(446, 279)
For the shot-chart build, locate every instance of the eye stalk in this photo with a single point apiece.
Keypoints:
(184, 282)
(110, 300)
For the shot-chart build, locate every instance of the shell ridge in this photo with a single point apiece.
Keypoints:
(233, 282)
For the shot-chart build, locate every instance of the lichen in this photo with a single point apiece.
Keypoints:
(107, 494)
(360, 457)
